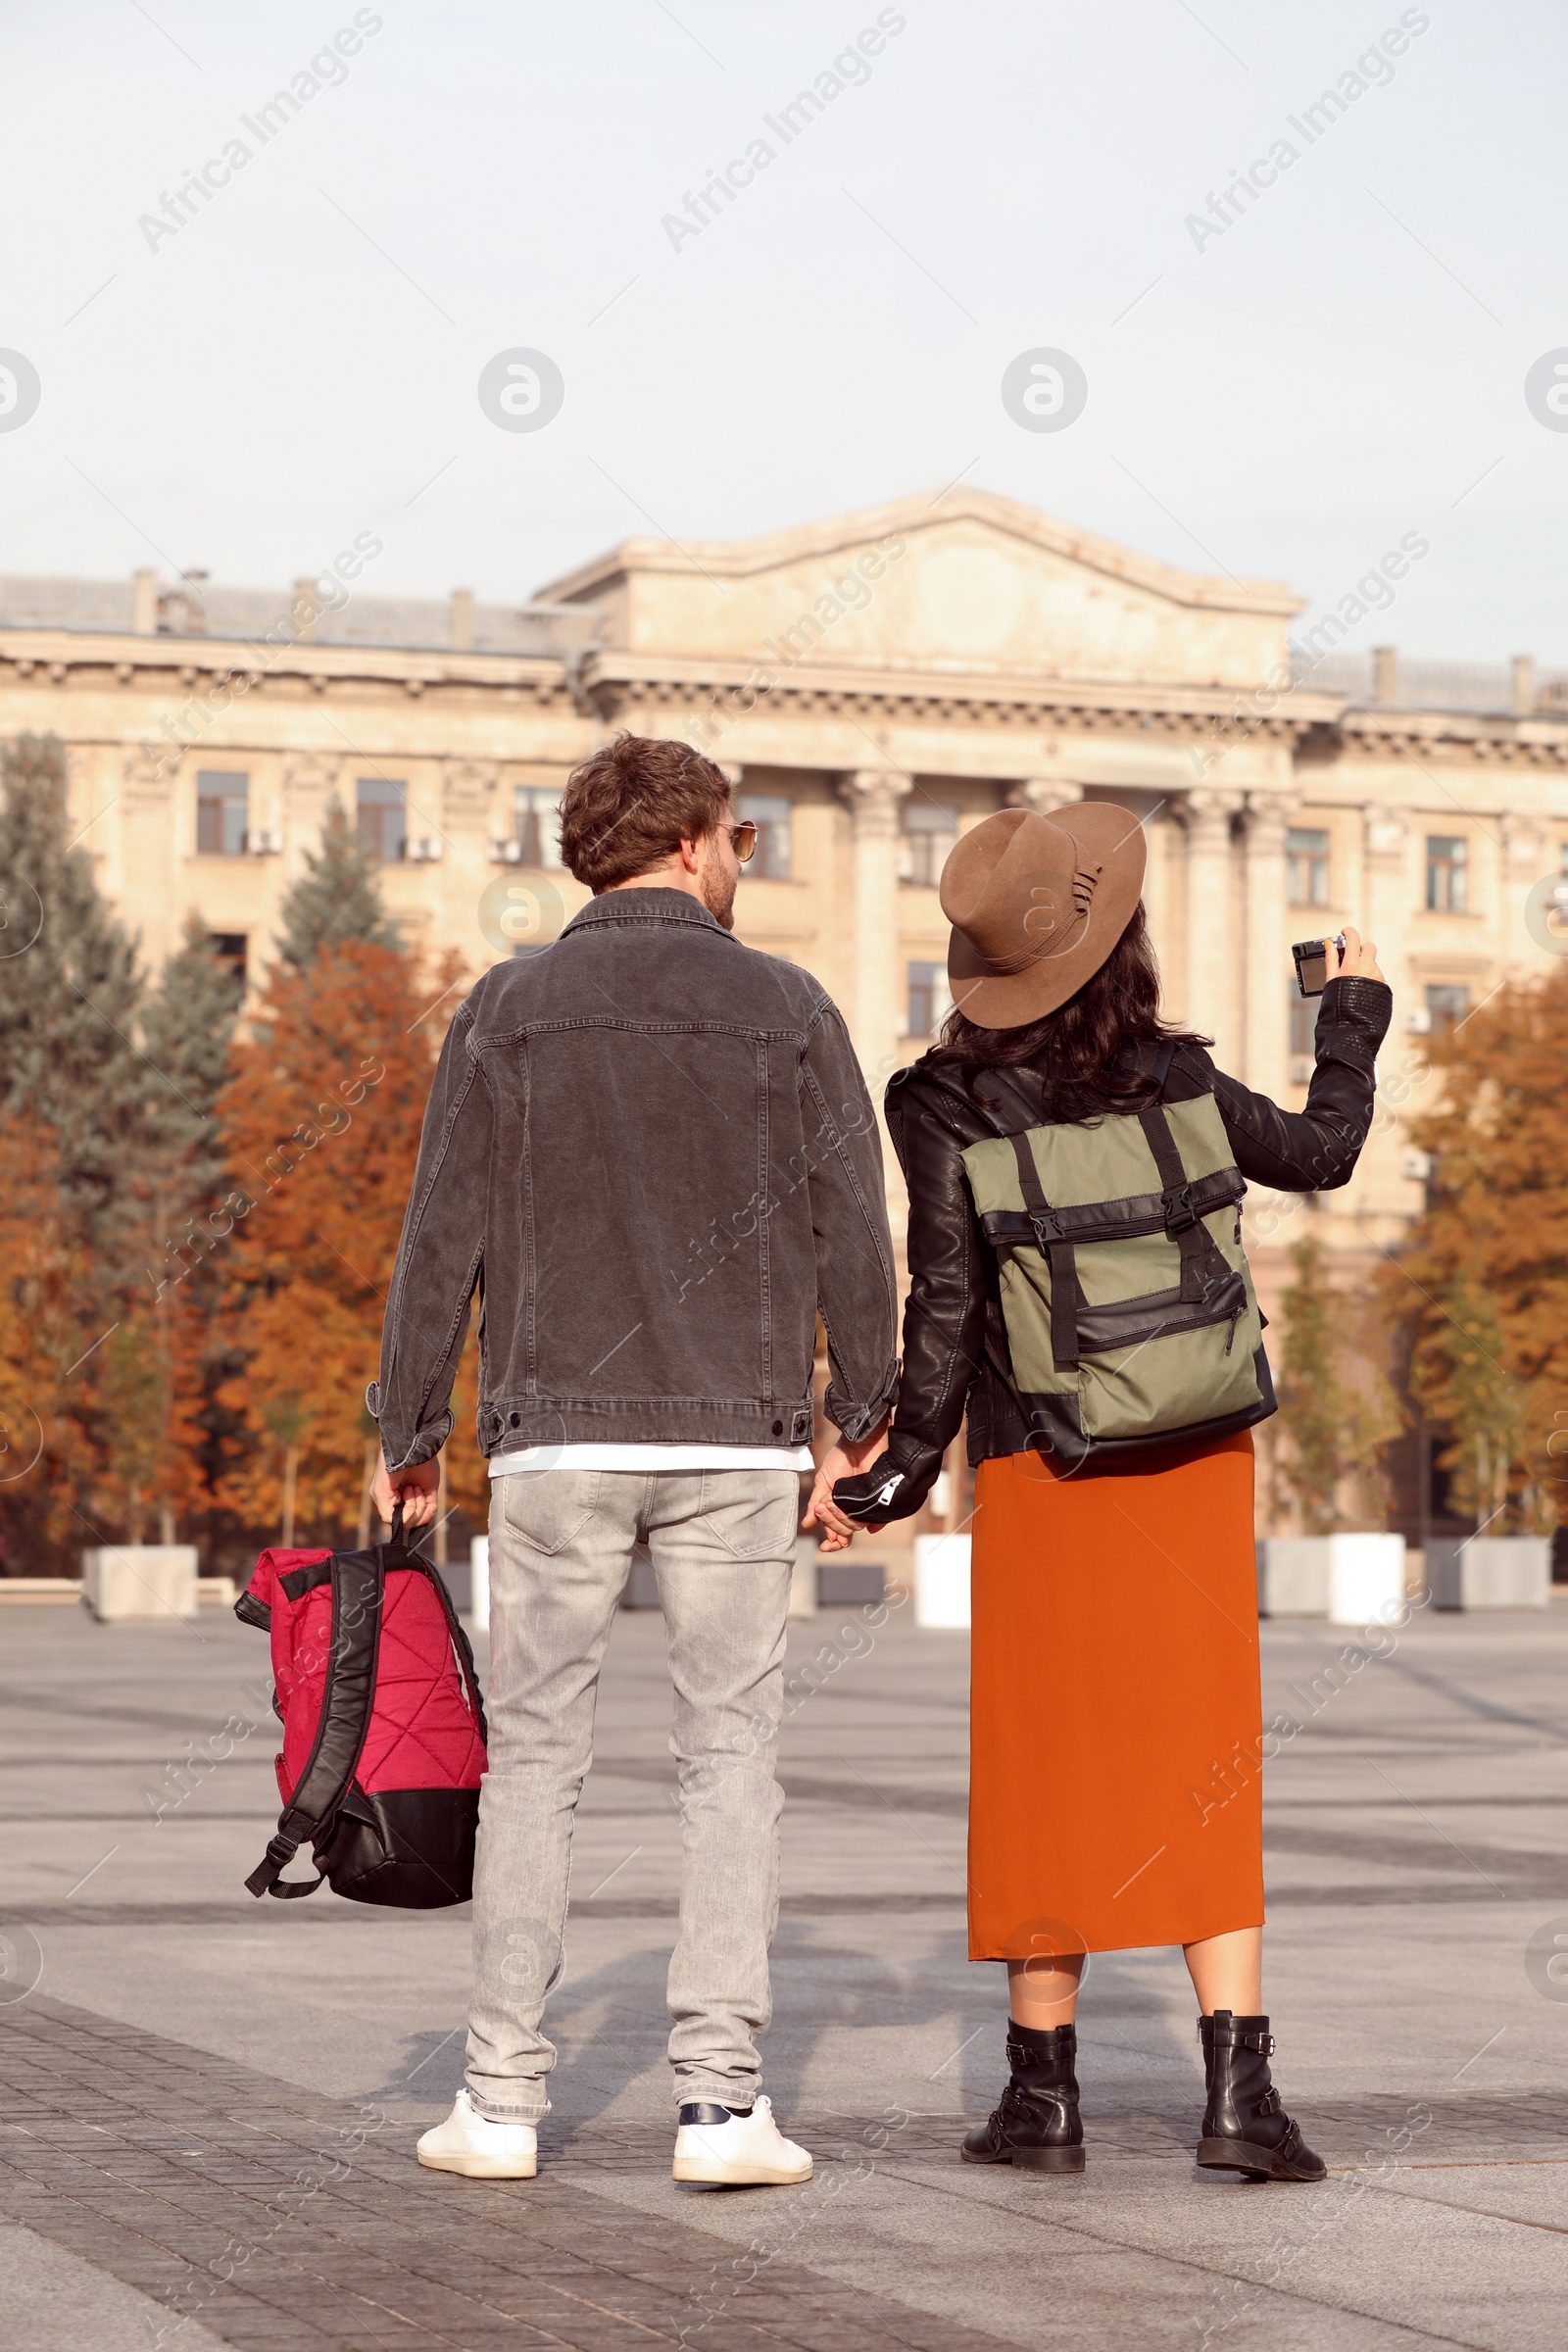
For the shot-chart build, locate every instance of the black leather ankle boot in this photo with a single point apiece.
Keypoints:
(1246, 2129)
(1036, 2122)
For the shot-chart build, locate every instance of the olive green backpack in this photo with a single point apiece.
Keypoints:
(1129, 1306)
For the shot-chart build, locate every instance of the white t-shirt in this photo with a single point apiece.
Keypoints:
(522, 1458)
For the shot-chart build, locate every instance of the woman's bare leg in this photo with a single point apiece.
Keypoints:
(1043, 1994)
(1227, 1973)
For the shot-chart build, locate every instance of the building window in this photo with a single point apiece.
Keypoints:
(536, 822)
(1306, 866)
(222, 812)
(1447, 873)
(930, 829)
(928, 1002)
(1448, 1002)
(228, 947)
(381, 810)
(770, 813)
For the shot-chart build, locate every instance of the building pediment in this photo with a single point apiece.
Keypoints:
(966, 583)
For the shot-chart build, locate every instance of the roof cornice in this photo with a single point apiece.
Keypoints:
(741, 559)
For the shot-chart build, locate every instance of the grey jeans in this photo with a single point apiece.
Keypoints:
(722, 1543)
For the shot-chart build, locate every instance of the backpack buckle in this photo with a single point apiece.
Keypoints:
(1047, 1227)
(1179, 1211)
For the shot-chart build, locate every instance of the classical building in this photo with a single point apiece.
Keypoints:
(873, 684)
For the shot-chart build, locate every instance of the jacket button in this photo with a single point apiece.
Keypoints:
(778, 1428)
(517, 1420)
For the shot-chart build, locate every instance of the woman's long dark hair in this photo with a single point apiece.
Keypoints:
(1074, 1050)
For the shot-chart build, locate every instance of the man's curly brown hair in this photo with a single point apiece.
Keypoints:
(632, 801)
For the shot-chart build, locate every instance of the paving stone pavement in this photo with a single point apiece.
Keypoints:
(198, 2082)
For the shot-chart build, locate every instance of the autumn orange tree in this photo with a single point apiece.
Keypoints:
(321, 1117)
(1482, 1284)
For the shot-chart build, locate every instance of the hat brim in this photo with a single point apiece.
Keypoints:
(1113, 838)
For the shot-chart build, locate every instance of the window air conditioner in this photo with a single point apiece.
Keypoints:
(1416, 1167)
(507, 852)
(1418, 1022)
(264, 845)
(425, 849)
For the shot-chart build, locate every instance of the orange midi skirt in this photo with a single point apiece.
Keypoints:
(1115, 1794)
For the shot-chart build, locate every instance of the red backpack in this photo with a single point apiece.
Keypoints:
(383, 1725)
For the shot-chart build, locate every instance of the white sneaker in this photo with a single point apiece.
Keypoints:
(469, 2143)
(736, 2151)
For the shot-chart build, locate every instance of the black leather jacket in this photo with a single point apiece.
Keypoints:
(953, 1320)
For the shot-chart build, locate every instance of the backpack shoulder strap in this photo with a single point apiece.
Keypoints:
(358, 1586)
(1182, 1220)
(1058, 1248)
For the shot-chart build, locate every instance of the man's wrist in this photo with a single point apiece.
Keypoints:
(861, 1450)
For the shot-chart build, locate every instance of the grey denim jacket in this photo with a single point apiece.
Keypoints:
(652, 1150)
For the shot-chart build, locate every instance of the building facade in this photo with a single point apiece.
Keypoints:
(873, 685)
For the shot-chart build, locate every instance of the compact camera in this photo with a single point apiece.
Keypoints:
(1311, 964)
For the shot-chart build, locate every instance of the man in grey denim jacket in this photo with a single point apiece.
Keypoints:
(653, 1151)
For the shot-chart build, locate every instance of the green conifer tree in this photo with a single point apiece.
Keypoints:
(175, 1336)
(335, 900)
(187, 1027)
(75, 1105)
(70, 994)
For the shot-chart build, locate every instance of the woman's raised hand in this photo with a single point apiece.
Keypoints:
(1361, 959)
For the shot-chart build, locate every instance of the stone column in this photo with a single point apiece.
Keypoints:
(1044, 794)
(1214, 952)
(1269, 973)
(873, 796)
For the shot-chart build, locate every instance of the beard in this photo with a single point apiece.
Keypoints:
(718, 893)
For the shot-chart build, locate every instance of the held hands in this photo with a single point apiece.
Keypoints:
(416, 1487)
(842, 1460)
(1361, 959)
(893, 1486)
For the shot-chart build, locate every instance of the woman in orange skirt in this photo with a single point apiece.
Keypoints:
(1116, 1720)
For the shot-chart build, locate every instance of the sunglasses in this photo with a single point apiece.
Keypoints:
(744, 839)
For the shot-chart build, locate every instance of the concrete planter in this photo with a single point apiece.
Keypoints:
(1489, 1572)
(145, 1583)
(1292, 1576)
(942, 1581)
(1350, 1580)
(1366, 1578)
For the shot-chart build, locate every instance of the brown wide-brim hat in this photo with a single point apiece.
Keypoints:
(1037, 904)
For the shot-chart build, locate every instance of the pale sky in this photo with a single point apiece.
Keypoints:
(1343, 365)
